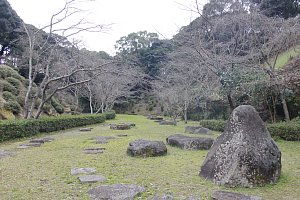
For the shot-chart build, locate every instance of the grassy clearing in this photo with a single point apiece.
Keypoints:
(286, 56)
(44, 172)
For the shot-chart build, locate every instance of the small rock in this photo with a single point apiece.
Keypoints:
(120, 126)
(103, 139)
(91, 178)
(146, 148)
(197, 130)
(48, 139)
(190, 143)
(76, 171)
(93, 150)
(223, 195)
(115, 192)
(85, 129)
(155, 118)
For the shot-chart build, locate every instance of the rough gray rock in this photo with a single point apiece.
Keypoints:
(122, 135)
(245, 154)
(197, 130)
(115, 192)
(146, 148)
(223, 195)
(167, 123)
(96, 150)
(190, 143)
(77, 170)
(4, 153)
(103, 139)
(155, 118)
(91, 178)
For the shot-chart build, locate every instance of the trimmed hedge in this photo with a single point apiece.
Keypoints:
(25, 128)
(289, 131)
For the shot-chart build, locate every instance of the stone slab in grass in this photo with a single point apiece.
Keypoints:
(85, 129)
(4, 153)
(155, 118)
(197, 130)
(190, 143)
(97, 150)
(103, 139)
(77, 170)
(91, 179)
(167, 123)
(163, 197)
(115, 192)
(122, 135)
(146, 148)
(28, 145)
(223, 195)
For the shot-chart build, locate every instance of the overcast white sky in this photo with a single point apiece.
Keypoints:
(127, 16)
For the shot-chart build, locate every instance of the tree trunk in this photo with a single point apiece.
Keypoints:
(230, 102)
(285, 108)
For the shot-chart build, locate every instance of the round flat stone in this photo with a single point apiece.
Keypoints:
(77, 170)
(91, 178)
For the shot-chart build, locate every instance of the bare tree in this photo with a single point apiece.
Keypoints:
(51, 55)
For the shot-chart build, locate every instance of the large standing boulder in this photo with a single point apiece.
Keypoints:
(190, 143)
(146, 148)
(245, 154)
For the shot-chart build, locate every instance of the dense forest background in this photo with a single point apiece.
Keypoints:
(236, 52)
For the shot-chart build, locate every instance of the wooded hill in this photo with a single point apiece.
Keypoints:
(236, 52)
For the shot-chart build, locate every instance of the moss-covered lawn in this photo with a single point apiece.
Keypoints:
(44, 172)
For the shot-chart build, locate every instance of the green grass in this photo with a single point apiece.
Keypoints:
(286, 56)
(44, 172)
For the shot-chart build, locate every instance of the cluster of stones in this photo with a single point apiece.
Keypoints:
(35, 142)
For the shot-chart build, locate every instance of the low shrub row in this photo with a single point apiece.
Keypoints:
(12, 129)
(284, 130)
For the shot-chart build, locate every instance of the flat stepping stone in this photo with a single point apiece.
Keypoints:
(155, 118)
(103, 139)
(115, 192)
(190, 143)
(41, 140)
(85, 129)
(122, 135)
(163, 197)
(28, 145)
(146, 148)
(77, 170)
(166, 123)
(4, 153)
(91, 179)
(223, 195)
(93, 150)
(197, 130)
(37, 141)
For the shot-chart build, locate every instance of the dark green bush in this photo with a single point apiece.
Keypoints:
(13, 106)
(13, 81)
(8, 96)
(6, 71)
(284, 130)
(6, 86)
(12, 129)
(57, 106)
(216, 125)
(21, 100)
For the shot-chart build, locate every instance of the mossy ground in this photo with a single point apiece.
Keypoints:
(44, 172)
